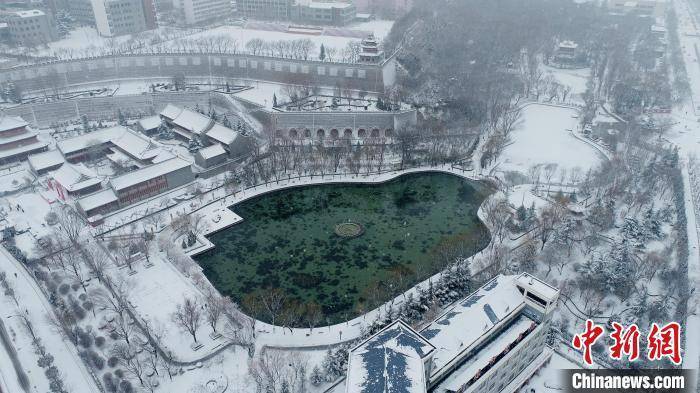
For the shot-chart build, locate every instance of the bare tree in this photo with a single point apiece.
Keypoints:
(215, 307)
(129, 359)
(74, 263)
(312, 315)
(70, 224)
(188, 315)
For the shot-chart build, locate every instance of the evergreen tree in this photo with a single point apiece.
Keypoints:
(285, 387)
(316, 376)
(86, 123)
(64, 22)
(121, 120)
(274, 100)
(322, 55)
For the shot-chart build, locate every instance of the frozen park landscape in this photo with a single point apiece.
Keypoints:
(346, 196)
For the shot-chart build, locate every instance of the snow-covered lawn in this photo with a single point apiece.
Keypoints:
(14, 179)
(26, 212)
(574, 78)
(543, 137)
(155, 294)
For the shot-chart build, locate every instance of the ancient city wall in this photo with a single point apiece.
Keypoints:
(58, 74)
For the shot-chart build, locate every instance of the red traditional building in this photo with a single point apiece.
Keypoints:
(17, 140)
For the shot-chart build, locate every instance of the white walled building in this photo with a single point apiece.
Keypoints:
(491, 341)
(30, 28)
(199, 11)
(119, 17)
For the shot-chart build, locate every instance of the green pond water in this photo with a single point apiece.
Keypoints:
(287, 240)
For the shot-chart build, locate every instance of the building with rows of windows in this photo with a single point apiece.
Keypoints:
(31, 27)
(492, 341)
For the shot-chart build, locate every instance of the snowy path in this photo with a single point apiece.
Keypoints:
(75, 373)
(688, 142)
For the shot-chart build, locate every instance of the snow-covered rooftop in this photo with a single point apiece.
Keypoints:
(390, 361)
(150, 123)
(193, 121)
(138, 146)
(214, 150)
(499, 344)
(38, 145)
(328, 5)
(75, 177)
(470, 319)
(171, 111)
(11, 122)
(46, 160)
(147, 173)
(222, 134)
(86, 140)
(100, 198)
(135, 145)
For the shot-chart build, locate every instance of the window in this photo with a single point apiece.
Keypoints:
(217, 61)
(361, 74)
(231, 63)
(267, 65)
(349, 73)
(293, 68)
(278, 66)
(321, 70)
(304, 69)
(242, 63)
(182, 61)
(333, 72)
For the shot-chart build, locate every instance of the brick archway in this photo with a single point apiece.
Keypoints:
(347, 134)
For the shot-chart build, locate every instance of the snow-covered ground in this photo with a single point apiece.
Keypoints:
(85, 41)
(576, 79)
(544, 136)
(75, 374)
(686, 135)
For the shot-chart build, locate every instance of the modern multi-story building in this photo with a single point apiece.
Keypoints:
(200, 11)
(325, 13)
(149, 14)
(17, 141)
(31, 27)
(266, 9)
(119, 17)
(492, 341)
(320, 12)
(384, 7)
